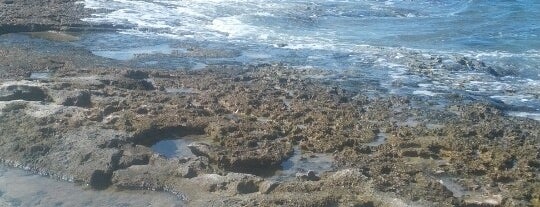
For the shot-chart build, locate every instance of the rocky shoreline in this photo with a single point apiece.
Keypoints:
(36, 16)
(81, 118)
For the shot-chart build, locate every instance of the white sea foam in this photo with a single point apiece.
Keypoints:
(331, 34)
(424, 92)
(535, 116)
(234, 27)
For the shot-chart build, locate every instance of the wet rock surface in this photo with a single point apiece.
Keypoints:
(22, 92)
(35, 16)
(73, 98)
(107, 143)
(93, 121)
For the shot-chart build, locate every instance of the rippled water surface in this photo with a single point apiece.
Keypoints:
(372, 37)
(460, 25)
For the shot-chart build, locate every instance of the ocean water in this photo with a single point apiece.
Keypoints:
(374, 38)
(369, 40)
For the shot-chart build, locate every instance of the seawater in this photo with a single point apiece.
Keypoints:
(20, 188)
(367, 36)
(459, 25)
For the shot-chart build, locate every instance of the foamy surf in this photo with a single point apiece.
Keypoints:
(365, 36)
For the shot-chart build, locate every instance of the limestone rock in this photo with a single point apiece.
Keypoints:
(234, 183)
(96, 169)
(267, 186)
(135, 74)
(100, 179)
(246, 187)
(22, 92)
(200, 149)
(309, 176)
(138, 155)
(73, 98)
(492, 200)
(187, 171)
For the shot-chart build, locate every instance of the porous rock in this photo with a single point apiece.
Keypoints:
(22, 92)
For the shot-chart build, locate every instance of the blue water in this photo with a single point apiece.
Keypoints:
(370, 41)
(374, 38)
(510, 26)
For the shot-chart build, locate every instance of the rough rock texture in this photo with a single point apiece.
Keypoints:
(22, 92)
(73, 98)
(34, 16)
(252, 118)
(93, 121)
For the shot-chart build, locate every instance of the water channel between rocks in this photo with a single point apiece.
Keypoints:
(21, 188)
(299, 162)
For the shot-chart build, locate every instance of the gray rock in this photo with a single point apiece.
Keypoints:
(73, 98)
(309, 176)
(138, 155)
(200, 149)
(94, 169)
(22, 92)
(131, 84)
(246, 187)
(267, 186)
(233, 183)
(139, 177)
(15, 106)
(186, 172)
(348, 174)
(211, 182)
(100, 179)
(486, 200)
(135, 74)
(79, 98)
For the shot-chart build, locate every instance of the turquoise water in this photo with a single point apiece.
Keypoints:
(459, 25)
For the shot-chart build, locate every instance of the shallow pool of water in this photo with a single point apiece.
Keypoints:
(21, 188)
(40, 75)
(178, 147)
(130, 53)
(301, 162)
